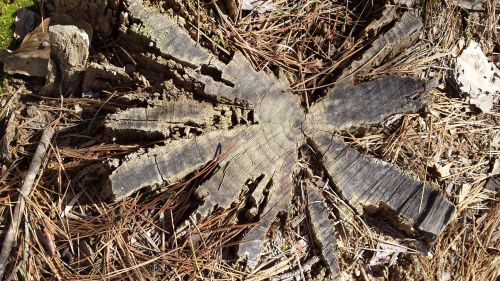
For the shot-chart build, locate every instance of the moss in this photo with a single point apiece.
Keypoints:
(7, 16)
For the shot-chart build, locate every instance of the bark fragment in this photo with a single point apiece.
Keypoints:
(32, 56)
(100, 77)
(101, 14)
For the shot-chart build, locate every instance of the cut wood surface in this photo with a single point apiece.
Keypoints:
(373, 184)
(278, 200)
(235, 81)
(207, 139)
(161, 117)
(263, 150)
(368, 103)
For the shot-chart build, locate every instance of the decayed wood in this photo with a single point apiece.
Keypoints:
(237, 80)
(70, 51)
(167, 164)
(368, 103)
(159, 118)
(278, 200)
(101, 14)
(257, 151)
(493, 184)
(372, 184)
(387, 46)
(25, 191)
(100, 77)
(163, 33)
(32, 57)
(324, 233)
(266, 150)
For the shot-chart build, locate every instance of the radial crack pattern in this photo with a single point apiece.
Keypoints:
(267, 149)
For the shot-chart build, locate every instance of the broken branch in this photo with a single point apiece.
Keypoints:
(25, 191)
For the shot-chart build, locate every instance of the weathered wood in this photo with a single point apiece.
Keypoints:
(372, 184)
(235, 81)
(493, 184)
(322, 228)
(368, 103)
(104, 76)
(167, 164)
(70, 51)
(101, 14)
(161, 117)
(257, 151)
(266, 150)
(387, 46)
(32, 56)
(278, 200)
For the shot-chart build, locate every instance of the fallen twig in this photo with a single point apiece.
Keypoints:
(25, 191)
(298, 272)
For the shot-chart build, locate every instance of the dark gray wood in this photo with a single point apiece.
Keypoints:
(266, 149)
(372, 184)
(393, 42)
(161, 117)
(235, 81)
(278, 200)
(368, 103)
(103, 76)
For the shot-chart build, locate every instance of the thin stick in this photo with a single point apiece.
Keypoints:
(25, 191)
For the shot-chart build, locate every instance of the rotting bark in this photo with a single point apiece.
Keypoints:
(101, 14)
(33, 55)
(70, 51)
(103, 76)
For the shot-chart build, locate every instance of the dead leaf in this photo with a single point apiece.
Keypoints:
(474, 76)
(386, 253)
(443, 171)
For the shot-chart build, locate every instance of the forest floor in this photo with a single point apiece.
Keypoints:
(72, 231)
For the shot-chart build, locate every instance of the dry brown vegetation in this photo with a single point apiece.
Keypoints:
(71, 231)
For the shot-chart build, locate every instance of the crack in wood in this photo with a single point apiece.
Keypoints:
(268, 148)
